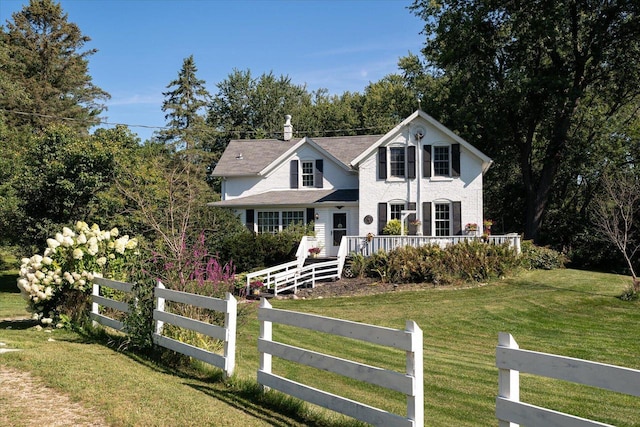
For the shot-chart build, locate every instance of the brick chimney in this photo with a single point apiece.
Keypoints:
(288, 128)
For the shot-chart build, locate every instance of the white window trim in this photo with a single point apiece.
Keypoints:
(434, 219)
(396, 177)
(433, 176)
(302, 174)
(280, 227)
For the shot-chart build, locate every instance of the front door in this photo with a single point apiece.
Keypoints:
(338, 231)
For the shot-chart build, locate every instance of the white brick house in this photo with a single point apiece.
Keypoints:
(419, 171)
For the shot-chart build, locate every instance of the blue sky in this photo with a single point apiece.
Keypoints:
(332, 44)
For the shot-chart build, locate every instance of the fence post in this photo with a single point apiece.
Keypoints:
(230, 323)
(415, 369)
(159, 307)
(508, 379)
(266, 333)
(95, 307)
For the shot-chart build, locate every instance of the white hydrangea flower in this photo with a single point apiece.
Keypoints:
(52, 243)
(47, 260)
(59, 237)
(114, 232)
(101, 261)
(67, 232)
(132, 244)
(77, 253)
(67, 241)
(120, 244)
(82, 239)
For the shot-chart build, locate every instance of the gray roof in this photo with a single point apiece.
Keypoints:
(291, 197)
(244, 157)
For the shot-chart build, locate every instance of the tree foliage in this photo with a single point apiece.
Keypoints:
(184, 106)
(520, 74)
(46, 71)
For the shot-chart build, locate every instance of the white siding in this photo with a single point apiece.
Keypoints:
(466, 189)
(334, 176)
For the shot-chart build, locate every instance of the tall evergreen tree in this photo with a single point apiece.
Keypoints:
(185, 101)
(47, 70)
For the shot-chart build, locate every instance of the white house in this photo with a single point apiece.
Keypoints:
(419, 172)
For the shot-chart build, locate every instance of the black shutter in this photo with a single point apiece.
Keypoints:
(411, 162)
(426, 218)
(293, 174)
(382, 163)
(311, 215)
(318, 176)
(413, 228)
(426, 162)
(250, 220)
(457, 218)
(382, 216)
(455, 160)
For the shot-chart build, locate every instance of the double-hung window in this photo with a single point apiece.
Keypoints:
(441, 165)
(396, 211)
(442, 219)
(397, 162)
(307, 174)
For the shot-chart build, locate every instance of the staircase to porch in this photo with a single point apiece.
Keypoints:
(306, 271)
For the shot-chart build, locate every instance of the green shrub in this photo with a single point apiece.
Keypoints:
(541, 258)
(393, 227)
(8, 258)
(469, 261)
(357, 265)
(250, 251)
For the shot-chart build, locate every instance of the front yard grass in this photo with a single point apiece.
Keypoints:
(568, 312)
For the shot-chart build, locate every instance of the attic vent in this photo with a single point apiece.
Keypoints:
(288, 128)
(239, 156)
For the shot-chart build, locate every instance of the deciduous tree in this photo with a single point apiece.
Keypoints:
(522, 71)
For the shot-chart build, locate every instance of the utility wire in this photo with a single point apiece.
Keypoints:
(229, 131)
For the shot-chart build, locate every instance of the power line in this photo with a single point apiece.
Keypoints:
(229, 131)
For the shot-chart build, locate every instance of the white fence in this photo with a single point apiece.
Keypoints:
(226, 333)
(98, 300)
(410, 383)
(510, 361)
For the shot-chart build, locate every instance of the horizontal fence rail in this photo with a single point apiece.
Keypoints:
(226, 333)
(511, 360)
(368, 246)
(410, 383)
(98, 300)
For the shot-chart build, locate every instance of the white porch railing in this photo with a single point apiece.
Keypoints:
(289, 276)
(370, 245)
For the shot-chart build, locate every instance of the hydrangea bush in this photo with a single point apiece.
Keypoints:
(68, 265)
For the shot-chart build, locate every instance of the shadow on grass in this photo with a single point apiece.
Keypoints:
(271, 407)
(8, 282)
(20, 324)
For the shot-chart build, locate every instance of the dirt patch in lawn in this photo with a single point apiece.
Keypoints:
(26, 401)
(355, 287)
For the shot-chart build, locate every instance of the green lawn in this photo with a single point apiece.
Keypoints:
(567, 312)
(11, 303)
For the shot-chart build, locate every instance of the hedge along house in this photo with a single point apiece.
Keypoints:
(419, 172)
